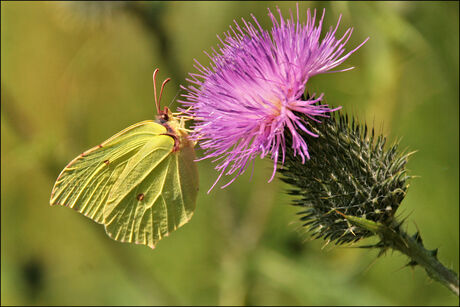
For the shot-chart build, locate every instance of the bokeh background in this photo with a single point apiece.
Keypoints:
(75, 73)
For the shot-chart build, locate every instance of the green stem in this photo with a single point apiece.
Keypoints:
(412, 246)
(414, 249)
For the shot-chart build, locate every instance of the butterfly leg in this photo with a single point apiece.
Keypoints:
(180, 113)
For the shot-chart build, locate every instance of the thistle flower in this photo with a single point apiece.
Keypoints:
(247, 100)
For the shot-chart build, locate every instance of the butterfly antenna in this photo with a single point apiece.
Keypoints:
(155, 90)
(162, 87)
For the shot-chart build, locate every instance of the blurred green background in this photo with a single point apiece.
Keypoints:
(73, 74)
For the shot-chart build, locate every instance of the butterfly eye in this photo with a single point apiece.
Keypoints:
(163, 118)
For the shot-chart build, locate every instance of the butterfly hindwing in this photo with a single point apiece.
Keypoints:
(135, 210)
(153, 196)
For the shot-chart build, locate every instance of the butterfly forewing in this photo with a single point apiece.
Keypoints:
(86, 181)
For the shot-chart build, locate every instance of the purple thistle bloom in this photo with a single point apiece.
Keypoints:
(247, 99)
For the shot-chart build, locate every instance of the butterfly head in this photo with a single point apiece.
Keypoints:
(164, 116)
(175, 127)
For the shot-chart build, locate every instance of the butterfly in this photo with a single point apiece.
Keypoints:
(141, 184)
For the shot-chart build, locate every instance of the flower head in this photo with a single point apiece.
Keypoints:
(252, 93)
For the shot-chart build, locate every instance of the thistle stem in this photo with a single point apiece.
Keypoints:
(414, 249)
(394, 237)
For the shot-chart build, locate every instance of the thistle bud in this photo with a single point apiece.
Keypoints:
(350, 174)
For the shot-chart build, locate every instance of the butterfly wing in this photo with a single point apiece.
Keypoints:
(84, 184)
(134, 183)
(154, 195)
